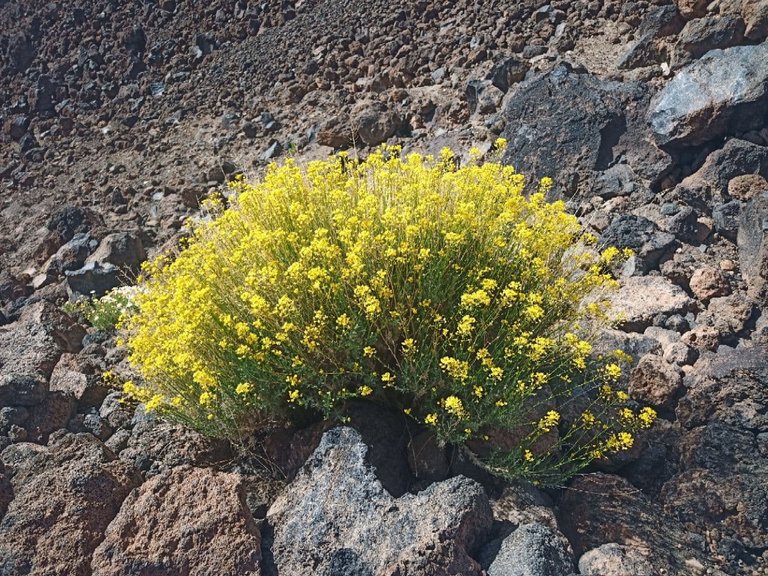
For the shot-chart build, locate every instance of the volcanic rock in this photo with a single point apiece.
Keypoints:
(65, 495)
(29, 350)
(184, 521)
(723, 92)
(335, 517)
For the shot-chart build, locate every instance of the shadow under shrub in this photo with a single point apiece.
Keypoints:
(438, 290)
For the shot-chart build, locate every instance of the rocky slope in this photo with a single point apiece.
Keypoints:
(117, 118)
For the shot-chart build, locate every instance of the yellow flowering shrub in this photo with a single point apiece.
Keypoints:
(442, 291)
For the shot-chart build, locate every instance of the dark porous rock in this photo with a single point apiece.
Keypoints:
(156, 446)
(616, 560)
(654, 381)
(642, 298)
(738, 160)
(65, 495)
(6, 491)
(572, 126)
(724, 92)
(641, 235)
(115, 410)
(79, 375)
(708, 282)
(375, 123)
(507, 72)
(646, 50)
(71, 255)
(29, 350)
(22, 389)
(120, 249)
(184, 521)
(728, 387)
(70, 220)
(726, 219)
(704, 34)
(753, 246)
(657, 457)
(722, 448)
(50, 415)
(733, 502)
(94, 279)
(598, 509)
(532, 550)
(336, 518)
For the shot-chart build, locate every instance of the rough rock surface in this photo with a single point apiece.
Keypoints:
(29, 350)
(599, 509)
(654, 381)
(616, 560)
(641, 298)
(722, 92)
(593, 124)
(65, 495)
(532, 550)
(337, 518)
(186, 521)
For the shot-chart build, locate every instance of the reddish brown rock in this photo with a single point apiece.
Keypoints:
(702, 338)
(80, 377)
(65, 495)
(616, 560)
(29, 350)
(747, 186)
(599, 509)
(655, 382)
(190, 521)
(709, 282)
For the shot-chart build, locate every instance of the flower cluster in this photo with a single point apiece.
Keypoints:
(442, 291)
(105, 313)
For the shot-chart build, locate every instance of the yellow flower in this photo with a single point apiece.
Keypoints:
(409, 346)
(549, 420)
(613, 371)
(465, 326)
(343, 321)
(475, 299)
(453, 405)
(431, 419)
(369, 352)
(365, 390)
(647, 416)
(528, 456)
(387, 378)
(455, 368)
(244, 388)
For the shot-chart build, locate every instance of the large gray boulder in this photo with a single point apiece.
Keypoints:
(336, 518)
(574, 126)
(724, 92)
